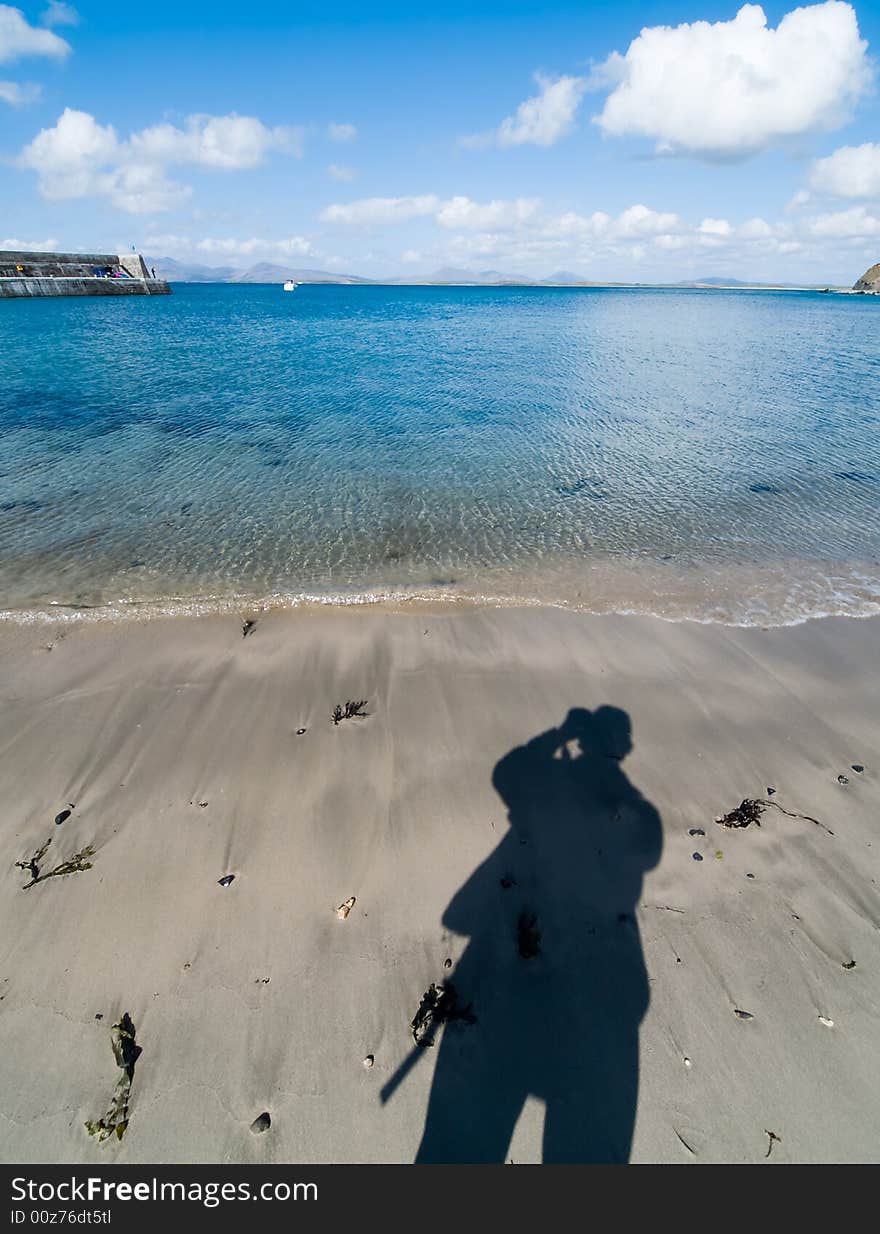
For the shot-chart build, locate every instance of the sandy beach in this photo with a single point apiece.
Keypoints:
(527, 811)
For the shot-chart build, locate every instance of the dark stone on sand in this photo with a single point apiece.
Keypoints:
(696, 831)
(528, 936)
(447, 963)
(770, 791)
(261, 1123)
(743, 1015)
(697, 856)
(246, 627)
(62, 817)
(226, 880)
(858, 768)
(843, 779)
(750, 876)
(300, 731)
(849, 964)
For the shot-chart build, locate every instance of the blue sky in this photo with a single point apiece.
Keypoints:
(633, 141)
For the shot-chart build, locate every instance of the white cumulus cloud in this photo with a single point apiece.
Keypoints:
(455, 214)
(13, 244)
(60, 14)
(851, 171)
(19, 39)
(730, 88)
(378, 211)
(341, 132)
(18, 93)
(852, 224)
(78, 157)
(539, 121)
(230, 142)
(460, 213)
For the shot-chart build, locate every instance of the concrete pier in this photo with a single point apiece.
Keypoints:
(76, 274)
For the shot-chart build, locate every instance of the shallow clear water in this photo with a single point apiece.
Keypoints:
(695, 454)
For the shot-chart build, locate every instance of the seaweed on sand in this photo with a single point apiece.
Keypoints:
(74, 865)
(351, 710)
(126, 1052)
(439, 1005)
(750, 810)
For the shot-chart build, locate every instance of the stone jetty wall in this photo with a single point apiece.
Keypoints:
(76, 274)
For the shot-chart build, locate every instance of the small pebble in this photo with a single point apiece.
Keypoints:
(687, 1062)
(344, 909)
(697, 856)
(843, 779)
(225, 880)
(849, 964)
(447, 963)
(857, 767)
(770, 791)
(261, 1123)
(369, 1060)
(750, 876)
(62, 817)
(823, 1019)
(743, 1015)
(696, 831)
(246, 627)
(300, 731)
(99, 1015)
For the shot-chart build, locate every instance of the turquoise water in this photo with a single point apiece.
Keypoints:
(694, 454)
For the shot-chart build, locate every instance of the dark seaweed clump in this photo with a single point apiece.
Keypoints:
(439, 1005)
(78, 862)
(126, 1051)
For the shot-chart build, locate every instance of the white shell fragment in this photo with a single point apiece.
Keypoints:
(369, 1060)
(344, 909)
(823, 1019)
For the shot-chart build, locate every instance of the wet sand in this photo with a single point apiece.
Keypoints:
(495, 749)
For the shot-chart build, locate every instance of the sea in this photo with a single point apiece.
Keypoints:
(694, 454)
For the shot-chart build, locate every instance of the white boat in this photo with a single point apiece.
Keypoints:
(290, 285)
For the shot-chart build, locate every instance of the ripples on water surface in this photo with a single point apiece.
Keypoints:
(694, 454)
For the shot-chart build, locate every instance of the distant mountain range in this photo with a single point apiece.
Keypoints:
(184, 272)
(267, 272)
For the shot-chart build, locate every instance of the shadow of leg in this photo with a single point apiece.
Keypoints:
(473, 1107)
(593, 1121)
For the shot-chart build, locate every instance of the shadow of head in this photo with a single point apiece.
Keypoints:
(603, 733)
